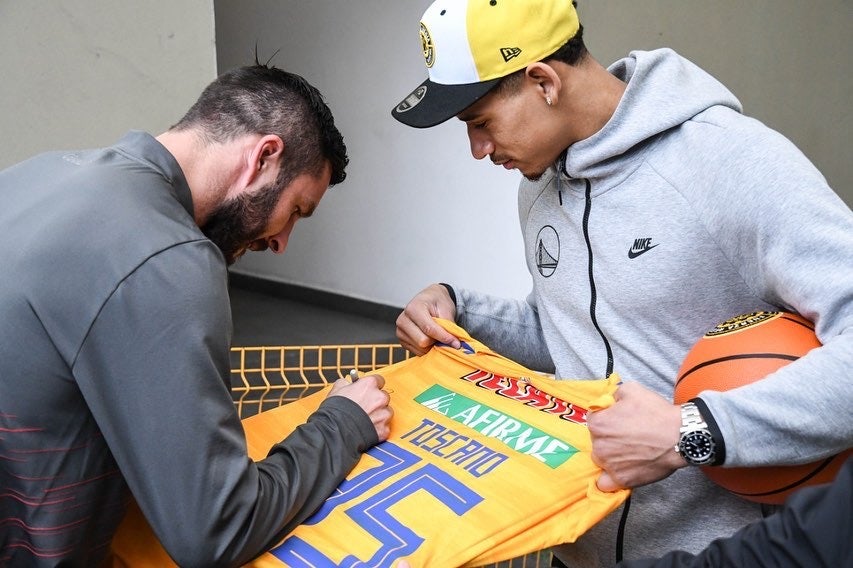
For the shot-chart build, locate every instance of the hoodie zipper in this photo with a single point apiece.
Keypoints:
(592, 292)
(623, 520)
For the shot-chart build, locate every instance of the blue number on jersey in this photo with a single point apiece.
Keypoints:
(372, 515)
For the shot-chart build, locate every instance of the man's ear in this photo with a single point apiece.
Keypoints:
(264, 159)
(545, 79)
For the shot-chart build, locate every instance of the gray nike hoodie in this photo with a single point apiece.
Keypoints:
(678, 214)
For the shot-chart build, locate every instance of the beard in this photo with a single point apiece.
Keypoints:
(534, 176)
(236, 223)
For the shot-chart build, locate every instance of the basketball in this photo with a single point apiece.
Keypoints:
(739, 351)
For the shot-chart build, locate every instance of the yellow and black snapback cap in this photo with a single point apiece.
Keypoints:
(468, 45)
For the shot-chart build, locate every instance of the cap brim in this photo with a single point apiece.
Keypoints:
(433, 103)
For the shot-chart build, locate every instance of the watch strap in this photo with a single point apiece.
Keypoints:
(692, 432)
(691, 418)
(720, 449)
(450, 291)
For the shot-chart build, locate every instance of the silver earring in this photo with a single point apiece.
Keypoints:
(548, 100)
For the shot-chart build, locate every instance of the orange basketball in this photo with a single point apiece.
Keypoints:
(739, 351)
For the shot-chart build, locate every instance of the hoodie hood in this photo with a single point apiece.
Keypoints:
(664, 90)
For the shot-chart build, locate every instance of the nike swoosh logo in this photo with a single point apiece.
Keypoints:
(635, 253)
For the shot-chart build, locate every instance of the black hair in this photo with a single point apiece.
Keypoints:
(262, 99)
(571, 53)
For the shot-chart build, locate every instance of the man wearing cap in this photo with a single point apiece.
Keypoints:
(651, 210)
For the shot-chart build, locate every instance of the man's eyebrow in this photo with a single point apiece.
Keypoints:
(466, 117)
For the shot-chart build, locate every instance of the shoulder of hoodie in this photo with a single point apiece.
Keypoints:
(724, 148)
(714, 134)
(737, 175)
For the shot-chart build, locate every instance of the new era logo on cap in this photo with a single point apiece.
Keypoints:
(468, 45)
(510, 52)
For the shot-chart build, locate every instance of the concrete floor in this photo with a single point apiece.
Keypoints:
(262, 318)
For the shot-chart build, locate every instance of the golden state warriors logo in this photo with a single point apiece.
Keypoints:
(427, 46)
(741, 322)
(547, 253)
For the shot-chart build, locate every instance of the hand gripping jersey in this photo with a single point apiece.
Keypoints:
(486, 461)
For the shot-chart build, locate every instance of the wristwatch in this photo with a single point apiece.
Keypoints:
(696, 444)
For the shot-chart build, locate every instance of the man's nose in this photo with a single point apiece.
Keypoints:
(481, 145)
(277, 243)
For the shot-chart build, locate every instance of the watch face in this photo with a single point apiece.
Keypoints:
(697, 447)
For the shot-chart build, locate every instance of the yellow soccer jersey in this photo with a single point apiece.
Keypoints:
(486, 461)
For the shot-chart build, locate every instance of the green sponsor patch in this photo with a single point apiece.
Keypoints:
(495, 424)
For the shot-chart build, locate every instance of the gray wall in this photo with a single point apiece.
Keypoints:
(79, 73)
(788, 61)
(417, 208)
